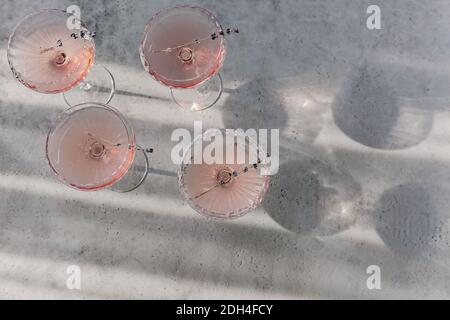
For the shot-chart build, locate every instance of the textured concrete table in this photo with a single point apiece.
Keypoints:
(365, 140)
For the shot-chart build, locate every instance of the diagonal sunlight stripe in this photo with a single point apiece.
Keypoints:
(138, 107)
(41, 278)
(147, 203)
(40, 186)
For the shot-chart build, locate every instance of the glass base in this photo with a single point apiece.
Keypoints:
(136, 175)
(199, 98)
(98, 86)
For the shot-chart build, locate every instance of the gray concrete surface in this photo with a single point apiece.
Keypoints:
(365, 179)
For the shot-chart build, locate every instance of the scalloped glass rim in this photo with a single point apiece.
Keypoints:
(214, 215)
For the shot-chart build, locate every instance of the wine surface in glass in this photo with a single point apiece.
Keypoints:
(91, 148)
(228, 189)
(233, 198)
(178, 49)
(48, 57)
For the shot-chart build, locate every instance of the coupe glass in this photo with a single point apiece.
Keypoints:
(92, 147)
(51, 51)
(225, 189)
(184, 48)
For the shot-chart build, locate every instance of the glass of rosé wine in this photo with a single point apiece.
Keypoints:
(92, 147)
(184, 48)
(232, 185)
(51, 51)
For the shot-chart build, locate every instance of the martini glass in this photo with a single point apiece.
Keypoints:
(225, 189)
(184, 48)
(51, 51)
(92, 147)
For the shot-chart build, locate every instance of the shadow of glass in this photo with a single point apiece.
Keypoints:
(410, 218)
(310, 197)
(370, 110)
(254, 105)
(275, 104)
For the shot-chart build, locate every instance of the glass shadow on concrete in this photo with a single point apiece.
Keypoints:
(274, 104)
(372, 108)
(311, 197)
(254, 105)
(411, 218)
